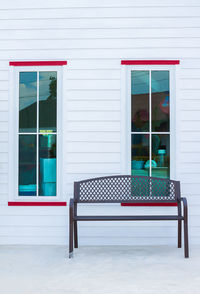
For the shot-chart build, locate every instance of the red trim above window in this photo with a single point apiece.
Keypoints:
(37, 203)
(148, 204)
(149, 62)
(37, 63)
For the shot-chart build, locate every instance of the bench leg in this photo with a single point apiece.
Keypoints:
(186, 247)
(71, 228)
(179, 233)
(75, 234)
(185, 215)
(179, 227)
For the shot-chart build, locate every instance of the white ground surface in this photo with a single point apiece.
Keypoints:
(98, 270)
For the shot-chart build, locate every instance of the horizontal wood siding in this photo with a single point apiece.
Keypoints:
(94, 36)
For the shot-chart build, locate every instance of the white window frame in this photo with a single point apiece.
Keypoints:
(14, 133)
(126, 115)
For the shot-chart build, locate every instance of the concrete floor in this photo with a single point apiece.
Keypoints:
(99, 270)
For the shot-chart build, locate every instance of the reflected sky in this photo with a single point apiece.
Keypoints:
(27, 89)
(159, 82)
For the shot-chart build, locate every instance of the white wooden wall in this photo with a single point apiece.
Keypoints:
(93, 36)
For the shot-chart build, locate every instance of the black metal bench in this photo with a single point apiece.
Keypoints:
(138, 190)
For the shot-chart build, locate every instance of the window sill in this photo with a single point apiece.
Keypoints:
(20, 203)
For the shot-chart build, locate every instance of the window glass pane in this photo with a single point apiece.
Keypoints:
(160, 101)
(47, 165)
(47, 101)
(140, 101)
(140, 155)
(27, 101)
(27, 165)
(160, 156)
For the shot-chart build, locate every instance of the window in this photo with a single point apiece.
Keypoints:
(36, 133)
(149, 121)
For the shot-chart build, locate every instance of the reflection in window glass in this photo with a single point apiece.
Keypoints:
(140, 101)
(140, 155)
(27, 101)
(38, 115)
(47, 165)
(151, 135)
(27, 165)
(160, 101)
(160, 155)
(47, 100)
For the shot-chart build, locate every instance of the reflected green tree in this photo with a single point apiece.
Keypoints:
(52, 88)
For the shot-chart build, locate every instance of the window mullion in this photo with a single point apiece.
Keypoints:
(37, 139)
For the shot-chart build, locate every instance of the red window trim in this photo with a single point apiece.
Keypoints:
(20, 203)
(148, 204)
(149, 62)
(38, 63)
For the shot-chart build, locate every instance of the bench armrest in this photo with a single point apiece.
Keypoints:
(71, 202)
(185, 206)
(71, 208)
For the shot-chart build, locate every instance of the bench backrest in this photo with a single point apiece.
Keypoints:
(126, 189)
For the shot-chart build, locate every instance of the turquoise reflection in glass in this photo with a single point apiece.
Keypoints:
(140, 155)
(47, 165)
(47, 101)
(160, 155)
(140, 101)
(27, 165)
(27, 101)
(160, 101)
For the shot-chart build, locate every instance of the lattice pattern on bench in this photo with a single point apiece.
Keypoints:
(126, 189)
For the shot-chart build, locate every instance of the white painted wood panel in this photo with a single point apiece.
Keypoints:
(3, 147)
(93, 74)
(189, 147)
(94, 157)
(94, 147)
(99, 94)
(3, 116)
(98, 22)
(90, 33)
(4, 138)
(96, 3)
(3, 157)
(98, 44)
(93, 105)
(93, 168)
(190, 105)
(104, 12)
(93, 136)
(91, 85)
(94, 64)
(90, 127)
(4, 177)
(190, 126)
(141, 53)
(3, 126)
(3, 95)
(4, 75)
(3, 105)
(191, 94)
(93, 36)
(3, 168)
(94, 116)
